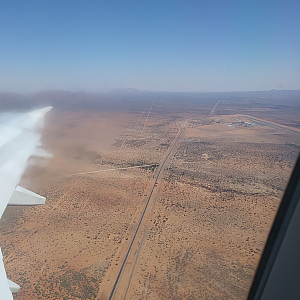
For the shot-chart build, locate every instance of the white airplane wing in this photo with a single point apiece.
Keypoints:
(18, 141)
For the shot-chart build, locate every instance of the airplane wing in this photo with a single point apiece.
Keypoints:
(19, 140)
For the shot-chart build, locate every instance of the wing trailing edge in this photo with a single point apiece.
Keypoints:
(7, 287)
(22, 196)
(19, 140)
(14, 288)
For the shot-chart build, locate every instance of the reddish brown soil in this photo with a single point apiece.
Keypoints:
(204, 233)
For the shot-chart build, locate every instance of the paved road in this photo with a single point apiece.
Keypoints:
(132, 245)
(272, 125)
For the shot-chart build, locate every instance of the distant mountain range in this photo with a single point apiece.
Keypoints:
(129, 97)
(14, 101)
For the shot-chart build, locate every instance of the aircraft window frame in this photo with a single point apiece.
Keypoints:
(270, 255)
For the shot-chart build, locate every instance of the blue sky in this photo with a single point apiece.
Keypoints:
(196, 46)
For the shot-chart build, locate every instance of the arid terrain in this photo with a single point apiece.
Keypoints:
(162, 198)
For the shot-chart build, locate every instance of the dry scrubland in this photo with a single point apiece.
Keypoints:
(215, 209)
(205, 232)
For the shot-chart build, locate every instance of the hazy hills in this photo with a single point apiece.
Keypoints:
(132, 98)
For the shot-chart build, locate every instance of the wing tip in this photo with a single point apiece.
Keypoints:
(39, 113)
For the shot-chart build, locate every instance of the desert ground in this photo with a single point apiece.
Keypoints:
(160, 200)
